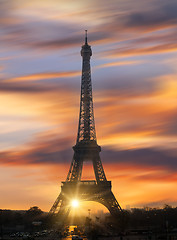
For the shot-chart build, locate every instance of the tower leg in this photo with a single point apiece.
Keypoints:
(60, 209)
(98, 168)
(111, 203)
(76, 168)
(56, 206)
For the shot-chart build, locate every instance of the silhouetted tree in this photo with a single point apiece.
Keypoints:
(34, 211)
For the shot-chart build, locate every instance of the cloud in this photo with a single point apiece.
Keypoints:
(24, 84)
(52, 150)
(138, 18)
(43, 76)
(48, 148)
(135, 51)
(148, 170)
(132, 117)
(116, 21)
(148, 157)
(119, 63)
(162, 15)
(23, 88)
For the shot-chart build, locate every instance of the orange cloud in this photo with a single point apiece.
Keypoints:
(42, 76)
(40, 185)
(135, 51)
(138, 120)
(120, 63)
(149, 185)
(128, 120)
(46, 161)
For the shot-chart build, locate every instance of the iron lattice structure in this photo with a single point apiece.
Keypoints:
(86, 149)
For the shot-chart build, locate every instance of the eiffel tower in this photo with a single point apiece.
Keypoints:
(86, 149)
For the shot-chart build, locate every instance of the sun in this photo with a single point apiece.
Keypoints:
(75, 203)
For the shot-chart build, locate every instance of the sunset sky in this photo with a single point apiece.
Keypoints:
(134, 77)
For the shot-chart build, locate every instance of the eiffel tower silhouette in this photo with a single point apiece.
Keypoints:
(86, 149)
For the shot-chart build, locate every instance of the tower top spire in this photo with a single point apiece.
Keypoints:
(86, 37)
(86, 130)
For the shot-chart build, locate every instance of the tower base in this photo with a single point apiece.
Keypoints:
(85, 191)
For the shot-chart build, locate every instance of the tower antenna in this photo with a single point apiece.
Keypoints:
(86, 37)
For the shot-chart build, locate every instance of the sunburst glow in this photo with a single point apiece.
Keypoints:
(75, 203)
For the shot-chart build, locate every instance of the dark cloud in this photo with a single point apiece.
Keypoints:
(72, 40)
(126, 85)
(51, 35)
(169, 124)
(49, 151)
(45, 156)
(143, 157)
(24, 88)
(40, 82)
(164, 37)
(131, 27)
(42, 34)
(163, 14)
(56, 151)
(21, 36)
(134, 50)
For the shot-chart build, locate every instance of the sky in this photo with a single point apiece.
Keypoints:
(134, 77)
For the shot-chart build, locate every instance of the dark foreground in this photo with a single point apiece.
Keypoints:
(135, 224)
(145, 236)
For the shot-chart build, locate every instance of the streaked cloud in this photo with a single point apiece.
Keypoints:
(158, 49)
(115, 64)
(46, 178)
(42, 76)
(50, 149)
(23, 88)
(163, 14)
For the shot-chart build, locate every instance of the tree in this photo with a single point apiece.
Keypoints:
(34, 211)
